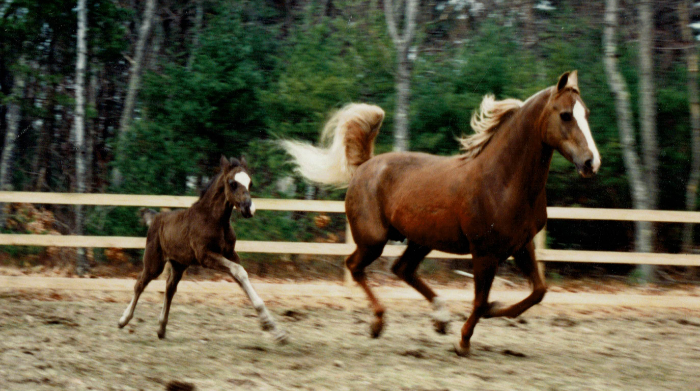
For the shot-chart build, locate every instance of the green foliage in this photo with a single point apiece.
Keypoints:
(261, 72)
(191, 117)
(323, 67)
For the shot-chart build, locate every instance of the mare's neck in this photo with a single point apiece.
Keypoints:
(214, 204)
(519, 148)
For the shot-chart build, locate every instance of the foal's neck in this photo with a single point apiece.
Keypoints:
(213, 203)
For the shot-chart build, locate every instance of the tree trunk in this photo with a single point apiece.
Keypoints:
(79, 129)
(198, 18)
(134, 82)
(647, 109)
(403, 92)
(633, 165)
(403, 75)
(12, 119)
(691, 57)
(91, 130)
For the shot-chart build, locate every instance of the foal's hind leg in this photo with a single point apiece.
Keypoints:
(405, 267)
(356, 263)
(484, 273)
(153, 264)
(525, 259)
(176, 272)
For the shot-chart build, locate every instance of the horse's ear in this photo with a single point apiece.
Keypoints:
(563, 79)
(568, 79)
(244, 162)
(224, 163)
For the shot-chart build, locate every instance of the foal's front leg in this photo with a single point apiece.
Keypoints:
(239, 274)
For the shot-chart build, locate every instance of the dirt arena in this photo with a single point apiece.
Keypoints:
(52, 339)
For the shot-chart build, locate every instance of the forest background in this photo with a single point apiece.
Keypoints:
(168, 86)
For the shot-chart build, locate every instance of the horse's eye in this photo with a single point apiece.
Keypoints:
(232, 183)
(566, 116)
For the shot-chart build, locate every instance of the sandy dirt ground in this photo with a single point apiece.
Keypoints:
(53, 340)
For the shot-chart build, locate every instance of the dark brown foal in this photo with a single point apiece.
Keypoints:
(201, 235)
(489, 201)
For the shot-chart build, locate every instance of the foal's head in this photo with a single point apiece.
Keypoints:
(567, 130)
(236, 181)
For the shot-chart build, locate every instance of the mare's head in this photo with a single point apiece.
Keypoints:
(566, 126)
(236, 181)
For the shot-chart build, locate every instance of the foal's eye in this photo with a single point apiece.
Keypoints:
(232, 183)
(566, 116)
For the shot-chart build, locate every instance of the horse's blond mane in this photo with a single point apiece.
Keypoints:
(484, 122)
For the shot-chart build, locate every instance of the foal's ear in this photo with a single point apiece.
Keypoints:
(244, 162)
(224, 164)
(568, 79)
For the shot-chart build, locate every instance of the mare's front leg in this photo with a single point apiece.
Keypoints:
(525, 259)
(235, 270)
(484, 273)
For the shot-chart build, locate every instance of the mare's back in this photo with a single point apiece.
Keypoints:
(398, 175)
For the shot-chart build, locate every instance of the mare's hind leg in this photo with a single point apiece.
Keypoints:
(176, 272)
(484, 272)
(153, 264)
(405, 267)
(525, 259)
(356, 263)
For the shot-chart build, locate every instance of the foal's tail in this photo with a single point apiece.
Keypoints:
(348, 141)
(148, 215)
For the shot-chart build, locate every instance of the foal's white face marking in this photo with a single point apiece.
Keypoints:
(580, 116)
(243, 179)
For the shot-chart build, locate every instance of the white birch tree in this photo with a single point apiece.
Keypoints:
(12, 119)
(79, 127)
(402, 42)
(636, 173)
(134, 80)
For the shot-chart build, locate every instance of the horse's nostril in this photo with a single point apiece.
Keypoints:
(588, 163)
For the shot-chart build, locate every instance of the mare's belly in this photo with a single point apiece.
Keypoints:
(436, 228)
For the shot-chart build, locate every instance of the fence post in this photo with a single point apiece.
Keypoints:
(541, 244)
(347, 277)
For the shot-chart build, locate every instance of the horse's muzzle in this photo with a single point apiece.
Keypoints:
(588, 168)
(247, 209)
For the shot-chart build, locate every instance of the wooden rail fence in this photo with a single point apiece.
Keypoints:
(545, 255)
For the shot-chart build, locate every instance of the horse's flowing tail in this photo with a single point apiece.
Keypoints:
(347, 141)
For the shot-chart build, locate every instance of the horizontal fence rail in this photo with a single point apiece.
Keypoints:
(165, 201)
(340, 249)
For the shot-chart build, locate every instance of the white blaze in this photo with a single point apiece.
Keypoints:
(580, 116)
(243, 179)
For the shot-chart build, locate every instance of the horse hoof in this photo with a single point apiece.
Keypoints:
(281, 337)
(461, 350)
(376, 328)
(267, 325)
(441, 326)
(121, 325)
(161, 334)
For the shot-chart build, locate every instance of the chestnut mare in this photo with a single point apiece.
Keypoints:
(489, 201)
(201, 235)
